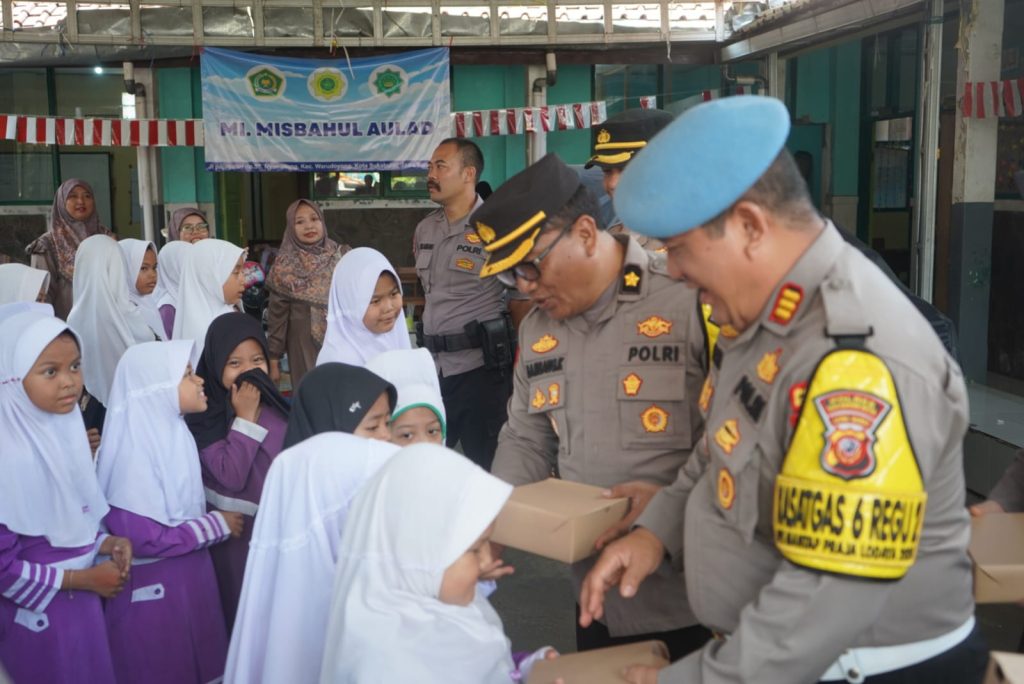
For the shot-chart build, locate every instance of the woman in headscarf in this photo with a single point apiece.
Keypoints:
(337, 397)
(282, 616)
(188, 224)
(172, 259)
(170, 627)
(405, 605)
(299, 284)
(419, 414)
(72, 220)
(141, 272)
(364, 315)
(21, 283)
(212, 283)
(50, 511)
(104, 318)
(238, 436)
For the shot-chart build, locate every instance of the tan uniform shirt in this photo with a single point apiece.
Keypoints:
(610, 402)
(787, 623)
(449, 257)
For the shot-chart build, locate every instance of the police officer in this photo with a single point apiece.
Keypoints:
(465, 320)
(615, 142)
(825, 535)
(612, 357)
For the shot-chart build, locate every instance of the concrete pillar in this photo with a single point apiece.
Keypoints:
(979, 59)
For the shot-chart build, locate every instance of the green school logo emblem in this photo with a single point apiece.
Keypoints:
(326, 84)
(388, 81)
(265, 82)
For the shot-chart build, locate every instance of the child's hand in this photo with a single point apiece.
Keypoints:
(986, 507)
(104, 579)
(641, 674)
(235, 522)
(94, 439)
(120, 551)
(246, 401)
(495, 569)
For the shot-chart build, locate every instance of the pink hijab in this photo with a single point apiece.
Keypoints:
(303, 272)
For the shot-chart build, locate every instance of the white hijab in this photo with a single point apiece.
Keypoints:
(283, 611)
(414, 375)
(421, 511)
(48, 486)
(134, 251)
(21, 283)
(148, 463)
(172, 259)
(103, 316)
(207, 267)
(348, 340)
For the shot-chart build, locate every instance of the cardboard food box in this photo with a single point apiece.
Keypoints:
(603, 666)
(1003, 668)
(997, 550)
(557, 519)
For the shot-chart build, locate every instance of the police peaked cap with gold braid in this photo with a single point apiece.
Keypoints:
(510, 220)
(616, 140)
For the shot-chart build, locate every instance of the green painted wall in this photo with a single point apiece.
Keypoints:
(185, 179)
(573, 85)
(827, 91)
(489, 87)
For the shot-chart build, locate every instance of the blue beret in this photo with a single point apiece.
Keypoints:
(699, 165)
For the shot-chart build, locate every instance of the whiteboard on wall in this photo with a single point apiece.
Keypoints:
(93, 168)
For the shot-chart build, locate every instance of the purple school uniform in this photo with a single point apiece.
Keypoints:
(49, 636)
(167, 625)
(234, 469)
(167, 312)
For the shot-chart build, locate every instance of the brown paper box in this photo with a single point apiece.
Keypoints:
(557, 519)
(603, 666)
(997, 549)
(1003, 668)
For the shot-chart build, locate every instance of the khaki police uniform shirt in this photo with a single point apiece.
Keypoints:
(449, 257)
(787, 623)
(610, 402)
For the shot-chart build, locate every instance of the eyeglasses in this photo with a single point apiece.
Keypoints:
(530, 270)
(194, 228)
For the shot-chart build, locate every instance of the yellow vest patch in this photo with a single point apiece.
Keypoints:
(850, 498)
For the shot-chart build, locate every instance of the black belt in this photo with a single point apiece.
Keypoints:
(451, 343)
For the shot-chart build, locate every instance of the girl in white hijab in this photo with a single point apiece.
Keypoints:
(140, 269)
(172, 258)
(211, 284)
(364, 311)
(103, 316)
(21, 283)
(170, 627)
(282, 616)
(419, 412)
(50, 511)
(405, 606)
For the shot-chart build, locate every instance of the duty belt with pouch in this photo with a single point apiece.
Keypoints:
(494, 338)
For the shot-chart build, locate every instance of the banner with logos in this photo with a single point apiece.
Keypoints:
(263, 113)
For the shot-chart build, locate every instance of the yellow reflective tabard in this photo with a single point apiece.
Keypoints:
(850, 499)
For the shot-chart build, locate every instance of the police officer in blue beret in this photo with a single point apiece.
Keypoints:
(825, 537)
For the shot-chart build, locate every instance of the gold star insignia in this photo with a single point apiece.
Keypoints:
(631, 279)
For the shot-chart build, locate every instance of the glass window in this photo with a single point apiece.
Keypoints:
(623, 85)
(26, 173)
(364, 185)
(83, 92)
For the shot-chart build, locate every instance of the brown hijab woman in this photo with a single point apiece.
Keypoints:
(72, 219)
(299, 283)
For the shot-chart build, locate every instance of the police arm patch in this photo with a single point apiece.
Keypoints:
(850, 498)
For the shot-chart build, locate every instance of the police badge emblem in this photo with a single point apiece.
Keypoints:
(851, 418)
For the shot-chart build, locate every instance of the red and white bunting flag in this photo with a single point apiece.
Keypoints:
(649, 102)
